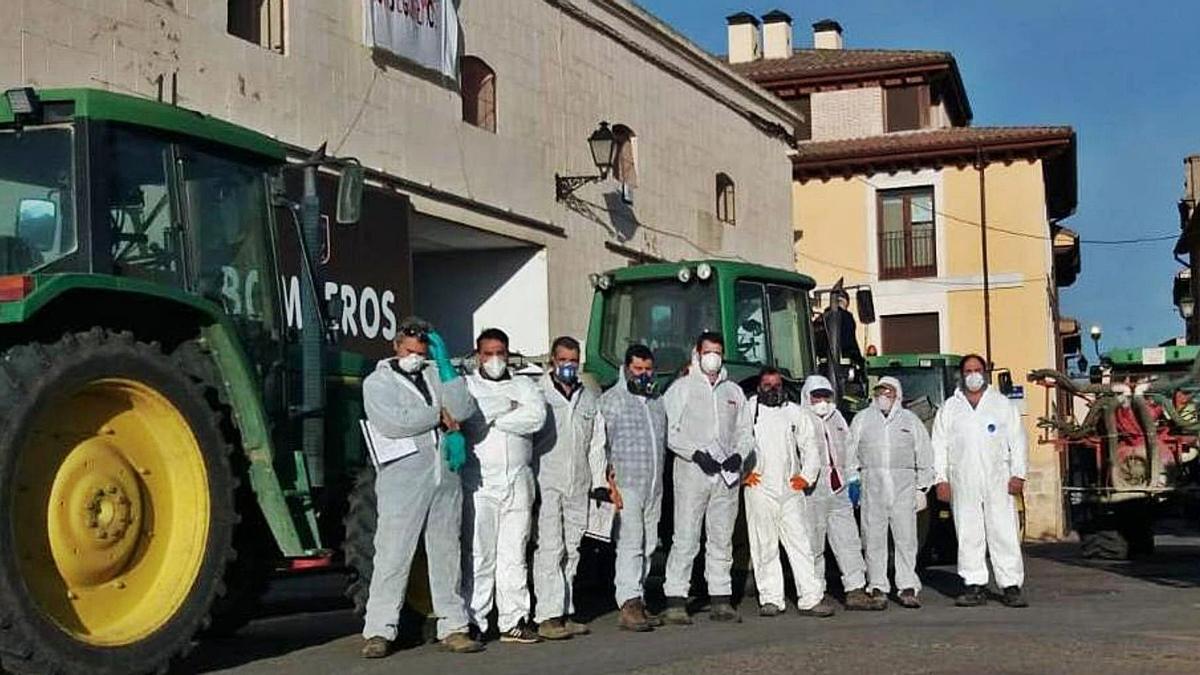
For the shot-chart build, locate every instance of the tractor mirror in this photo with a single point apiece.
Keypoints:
(349, 199)
(865, 301)
(37, 223)
(1005, 382)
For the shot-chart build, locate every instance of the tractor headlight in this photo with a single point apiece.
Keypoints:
(703, 271)
(603, 282)
(684, 275)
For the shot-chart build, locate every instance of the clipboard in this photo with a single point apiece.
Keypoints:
(600, 521)
(384, 450)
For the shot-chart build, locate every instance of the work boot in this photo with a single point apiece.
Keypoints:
(878, 600)
(520, 634)
(576, 627)
(722, 610)
(857, 600)
(676, 614)
(654, 620)
(376, 648)
(633, 616)
(769, 610)
(908, 599)
(461, 643)
(554, 629)
(822, 610)
(972, 596)
(1013, 597)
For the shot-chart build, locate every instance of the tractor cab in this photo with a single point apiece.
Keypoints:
(762, 312)
(928, 379)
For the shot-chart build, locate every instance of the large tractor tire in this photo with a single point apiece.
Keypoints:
(358, 550)
(116, 507)
(1104, 545)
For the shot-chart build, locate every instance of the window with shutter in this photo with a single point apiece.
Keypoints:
(478, 93)
(906, 108)
(906, 233)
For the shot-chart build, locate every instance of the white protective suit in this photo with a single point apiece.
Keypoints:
(978, 450)
(565, 465)
(415, 492)
(708, 417)
(894, 456)
(785, 446)
(831, 515)
(498, 480)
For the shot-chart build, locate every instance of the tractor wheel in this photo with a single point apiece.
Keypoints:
(1104, 545)
(359, 546)
(359, 552)
(116, 507)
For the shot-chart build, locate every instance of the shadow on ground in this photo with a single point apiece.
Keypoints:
(1175, 562)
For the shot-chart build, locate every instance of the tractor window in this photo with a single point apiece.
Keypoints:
(145, 238)
(789, 329)
(226, 210)
(664, 315)
(37, 224)
(751, 323)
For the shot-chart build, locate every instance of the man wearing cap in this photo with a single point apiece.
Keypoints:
(891, 449)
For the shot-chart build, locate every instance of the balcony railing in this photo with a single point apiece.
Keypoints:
(908, 254)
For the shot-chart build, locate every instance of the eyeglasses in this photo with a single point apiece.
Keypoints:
(414, 331)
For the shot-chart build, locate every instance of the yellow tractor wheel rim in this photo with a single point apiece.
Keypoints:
(111, 512)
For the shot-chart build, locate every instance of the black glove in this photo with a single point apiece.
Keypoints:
(601, 494)
(706, 463)
(732, 463)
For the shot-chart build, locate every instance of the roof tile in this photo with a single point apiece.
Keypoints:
(818, 62)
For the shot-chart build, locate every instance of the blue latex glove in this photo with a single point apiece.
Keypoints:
(454, 447)
(441, 355)
(854, 491)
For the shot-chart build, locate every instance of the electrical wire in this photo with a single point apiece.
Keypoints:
(931, 282)
(1015, 233)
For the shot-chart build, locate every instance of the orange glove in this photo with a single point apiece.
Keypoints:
(752, 479)
(798, 483)
(612, 490)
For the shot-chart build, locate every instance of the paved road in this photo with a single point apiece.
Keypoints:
(1086, 617)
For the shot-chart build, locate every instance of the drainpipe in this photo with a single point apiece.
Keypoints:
(987, 282)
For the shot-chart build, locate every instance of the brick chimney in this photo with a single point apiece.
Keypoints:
(777, 35)
(827, 34)
(743, 37)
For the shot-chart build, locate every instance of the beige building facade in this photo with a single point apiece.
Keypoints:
(468, 173)
(895, 190)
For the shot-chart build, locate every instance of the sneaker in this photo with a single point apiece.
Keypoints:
(633, 617)
(461, 643)
(857, 600)
(676, 613)
(972, 596)
(723, 611)
(769, 610)
(554, 629)
(908, 599)
(576, 628)
(520, 634)
(376, 648)
(1013, 597)
(821, 610)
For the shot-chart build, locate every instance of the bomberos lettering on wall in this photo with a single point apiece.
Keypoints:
(424, 32)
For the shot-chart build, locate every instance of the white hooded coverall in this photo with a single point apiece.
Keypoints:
(785, 446)
(831, 515)
(566, 463)
(415, 492)
(704, 416)
(499, 485)
(978, 449)
(893, 453)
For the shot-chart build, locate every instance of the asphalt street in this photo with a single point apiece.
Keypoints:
(1086, 616)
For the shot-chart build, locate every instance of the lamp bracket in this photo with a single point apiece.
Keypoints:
(564, 186)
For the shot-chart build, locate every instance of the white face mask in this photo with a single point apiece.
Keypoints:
(823, 408)
(884, 403)
(710, 362)
(495, 367)
(974, 381)
(411, 363)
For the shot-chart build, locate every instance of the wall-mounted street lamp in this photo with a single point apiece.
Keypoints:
(603, 145)
(1096, 333)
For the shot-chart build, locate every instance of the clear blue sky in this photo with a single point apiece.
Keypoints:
(1124, 74)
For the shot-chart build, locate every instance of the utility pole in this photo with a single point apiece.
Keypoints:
(987, 282)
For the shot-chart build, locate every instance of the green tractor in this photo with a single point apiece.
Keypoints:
(761, 311)
(1131, 440)
(177, 421)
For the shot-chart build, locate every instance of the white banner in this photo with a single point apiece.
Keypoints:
(422, 31)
